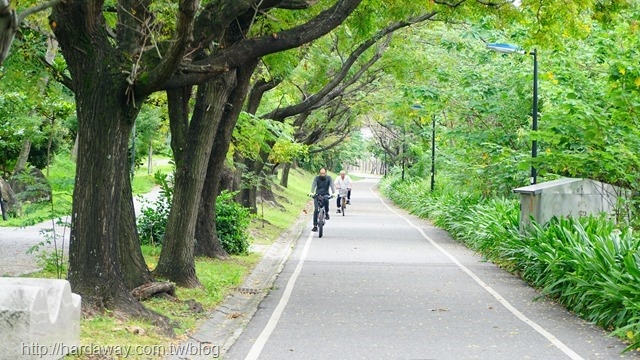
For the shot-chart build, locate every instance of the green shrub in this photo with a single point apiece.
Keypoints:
(52, 260)
(232, 220)
(232, 224)
(592, 268)
(152, 221)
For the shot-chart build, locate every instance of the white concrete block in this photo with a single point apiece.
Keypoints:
(569, 197)
(39, 318)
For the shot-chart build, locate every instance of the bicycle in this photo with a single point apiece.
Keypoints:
(322, 212)
(342, 194)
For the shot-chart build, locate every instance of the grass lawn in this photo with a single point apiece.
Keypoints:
(268, 226)
(61, 177)
(144, 181)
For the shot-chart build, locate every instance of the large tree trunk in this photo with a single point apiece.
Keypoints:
(105, 120)
(106, 114)
(207, 242)
(94, 261)
(178, 103)
(105, 261)
(177, 262)
(134, 269)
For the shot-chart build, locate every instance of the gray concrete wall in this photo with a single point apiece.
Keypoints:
(567, 198)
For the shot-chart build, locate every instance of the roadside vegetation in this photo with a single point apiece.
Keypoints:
(61, 180)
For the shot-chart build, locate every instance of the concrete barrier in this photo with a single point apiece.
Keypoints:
(39, 318)
(569, 197)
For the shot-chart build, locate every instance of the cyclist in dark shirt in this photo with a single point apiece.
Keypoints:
(320, 186)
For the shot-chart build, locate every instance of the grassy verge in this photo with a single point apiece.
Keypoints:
(218, 278)
(61, 178)
(268, 225)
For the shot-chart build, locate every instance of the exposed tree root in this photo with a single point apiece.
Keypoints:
(146, 291)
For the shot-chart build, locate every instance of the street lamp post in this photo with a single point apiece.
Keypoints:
(402, 151)
(508, 49)
(433, 151)
(534, 109)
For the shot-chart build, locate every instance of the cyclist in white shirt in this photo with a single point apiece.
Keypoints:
(343, 182)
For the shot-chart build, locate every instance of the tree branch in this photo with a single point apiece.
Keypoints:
(296, 4)
(342, 89)
(332, 87)
(23, 14)
(335, 114)
(332, 145)
(182, 38)
(258, 90)
(255, 48)
(58, 75)
(210, 26)
(10, 23)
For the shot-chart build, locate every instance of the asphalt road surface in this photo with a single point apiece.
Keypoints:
(382, 284)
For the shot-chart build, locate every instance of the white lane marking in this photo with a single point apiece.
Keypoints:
(262, 339)
(555, 341)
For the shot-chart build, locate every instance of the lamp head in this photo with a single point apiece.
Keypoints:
(505, 48)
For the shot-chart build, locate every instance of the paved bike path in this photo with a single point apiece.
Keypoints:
(382, 284)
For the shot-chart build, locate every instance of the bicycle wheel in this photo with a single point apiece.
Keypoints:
(320, 222)
(344, 205)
